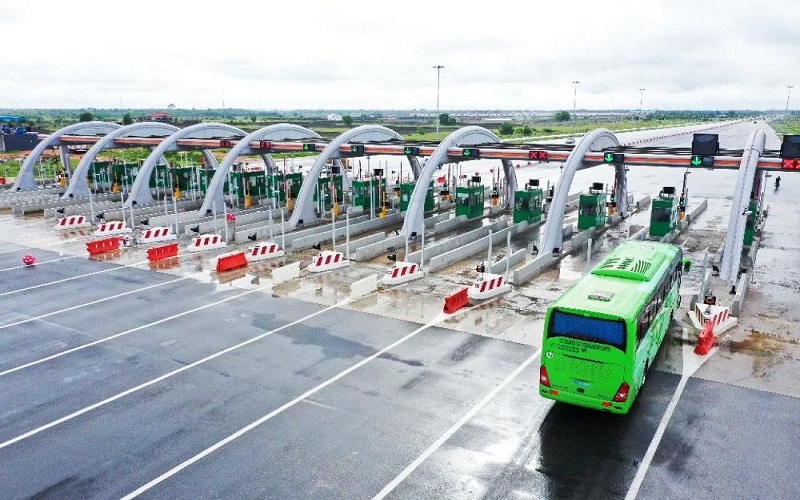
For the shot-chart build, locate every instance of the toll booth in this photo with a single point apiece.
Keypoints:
(324, 190)
(158, 179)
(407, 188)
(751, 223)
(528, 203)
(592, 208)
(124, 174)
(367, 193)
(100, 175)
(469, 199)
(664, 212)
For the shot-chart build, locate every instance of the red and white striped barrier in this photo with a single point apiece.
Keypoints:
(156, 235)
(206, 242)
(72, 222)
(719, 316)
(326, 261)
(112, 228)
(402, 272)
(488, 285)
(263, 251)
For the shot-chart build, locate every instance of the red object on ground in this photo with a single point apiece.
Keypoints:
(230, 217)
(456, 301)
(231, 261)
(29, 260)
(706, 339)
(101, 246)
(162, 252)
(2, 180)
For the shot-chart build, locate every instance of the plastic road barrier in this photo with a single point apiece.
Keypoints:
(162, 252)
(231, 260)
(101, 246)
(456, 301)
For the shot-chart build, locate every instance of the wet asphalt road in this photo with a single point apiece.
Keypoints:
(345, 402)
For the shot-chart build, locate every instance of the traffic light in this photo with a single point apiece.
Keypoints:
(613, 158)
(471, 153)
(705, 144)
(265, 145)
(357, 149)
(790, 164)
(309, 146)
(377, 172)
(476, 179)
(411, 151)
(537, 155)
(701, 161)
(790, 147)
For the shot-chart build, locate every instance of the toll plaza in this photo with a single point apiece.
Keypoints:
(528, 203)
(592, 207)
(664, 213)
(367, 193)
(328, 187)
(469, 199)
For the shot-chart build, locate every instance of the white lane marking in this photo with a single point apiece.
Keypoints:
(126, 332)
(455, 427)
(32, 248)
(86, 304)
(79, 276)
(244, 430)
(691, 363)
(165, 376)
(39, 263)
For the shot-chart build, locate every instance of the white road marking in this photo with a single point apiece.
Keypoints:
(455, 427)
(39, 263)
(42, 246)
(166, 375)
(126, 332)
(691, 362)
(244, 430)
(87, 304)
(71, 278)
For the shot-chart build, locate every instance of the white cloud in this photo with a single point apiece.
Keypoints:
(365, 54)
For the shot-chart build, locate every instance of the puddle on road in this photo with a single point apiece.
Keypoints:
(765, 350)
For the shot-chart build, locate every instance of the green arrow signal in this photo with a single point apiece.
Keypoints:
(608, 157)
(697, 160)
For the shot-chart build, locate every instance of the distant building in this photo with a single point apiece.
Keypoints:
(159, 116)
(334, 117)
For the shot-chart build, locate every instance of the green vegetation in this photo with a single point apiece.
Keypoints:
(562, 116)
(86, 117)
(347, 119)
(127, 120)
(787, 126)
(506, 128)
(445, 119)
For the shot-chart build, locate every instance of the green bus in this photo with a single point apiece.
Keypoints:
(601, 335)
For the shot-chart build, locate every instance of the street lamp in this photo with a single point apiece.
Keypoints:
(574, 107)
(438, 69)
(641, 102)
(788, 96)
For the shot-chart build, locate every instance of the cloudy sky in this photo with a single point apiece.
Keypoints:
(284, 54)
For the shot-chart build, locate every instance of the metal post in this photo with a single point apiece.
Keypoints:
(225, 214)
(588, 254)
(283, 235)
(574, 106)
(422, 249)
(489, 256)
(788, 96)
(641, 103)
(271, 222)
(438, 69)
(508, 254)
(347, 234)
(174, 203)
(333, 229)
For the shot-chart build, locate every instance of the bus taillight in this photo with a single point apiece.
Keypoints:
(543, 378)
(622, 393)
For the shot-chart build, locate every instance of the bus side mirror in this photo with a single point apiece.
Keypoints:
(687, 264)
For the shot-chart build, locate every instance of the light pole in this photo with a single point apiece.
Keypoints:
(641, 103)
(438, 69)
(788, 96)
(574, 106)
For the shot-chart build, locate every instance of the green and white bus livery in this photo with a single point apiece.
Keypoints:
(601, 335)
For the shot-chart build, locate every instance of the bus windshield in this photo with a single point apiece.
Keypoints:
(602, 331)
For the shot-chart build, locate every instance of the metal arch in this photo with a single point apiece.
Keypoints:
(25, 180)
(734, 238)
(304, 209)
(77, 183)
(595, 140)
(279, 131)
(466, 136)
(140, 191)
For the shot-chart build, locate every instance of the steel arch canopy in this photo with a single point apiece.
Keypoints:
(25, 180)
(277, 132)
(466, 136)
(594, 141)
(140, 191)
(304, 209)
(77, 183)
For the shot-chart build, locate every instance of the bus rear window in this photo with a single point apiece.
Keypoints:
(602, 331)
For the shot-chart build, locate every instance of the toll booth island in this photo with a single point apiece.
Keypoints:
(469, 199)
(528, 203)
(664, 213)
(368, 193)
(592, 207)
(406, 188)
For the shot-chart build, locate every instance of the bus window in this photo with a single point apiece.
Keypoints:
(601, 331)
